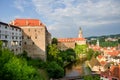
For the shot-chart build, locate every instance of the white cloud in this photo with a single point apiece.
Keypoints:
(69, 13)
(20, 4)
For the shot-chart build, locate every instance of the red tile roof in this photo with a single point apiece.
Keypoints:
(71, 39)
(113, 53)
(103, 63)
(100, 56)
(27, 22)
(113, 72)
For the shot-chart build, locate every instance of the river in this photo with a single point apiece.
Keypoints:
(78, 68)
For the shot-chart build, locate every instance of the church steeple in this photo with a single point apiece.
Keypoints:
(98, 42)
(80, 35)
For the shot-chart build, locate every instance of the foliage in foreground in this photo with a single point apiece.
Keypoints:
(14, 68)
(90, 77)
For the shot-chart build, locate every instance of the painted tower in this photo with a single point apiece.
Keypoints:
(80, 34)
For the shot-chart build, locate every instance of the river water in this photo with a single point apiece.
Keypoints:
(77, 69)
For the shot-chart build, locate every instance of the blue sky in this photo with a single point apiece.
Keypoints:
(64, 17)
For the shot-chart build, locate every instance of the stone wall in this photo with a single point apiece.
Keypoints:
(34, 41)
(66, 45)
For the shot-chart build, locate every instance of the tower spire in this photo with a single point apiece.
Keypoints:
(80, 35)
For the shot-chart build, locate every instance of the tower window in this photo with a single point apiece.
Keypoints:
(35, 37)
(29, 37)
(33, 43)
(35, 30)
(25, 43)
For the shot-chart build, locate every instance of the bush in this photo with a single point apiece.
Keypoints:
(54, 70)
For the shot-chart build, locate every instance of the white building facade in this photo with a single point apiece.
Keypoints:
(11, 37)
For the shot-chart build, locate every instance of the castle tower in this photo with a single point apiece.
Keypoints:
(80, 34)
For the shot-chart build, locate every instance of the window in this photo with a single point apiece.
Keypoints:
(29, 37)
(33, 43)
(16, 29)
(16, 37)
(35, 37)
(12, 28)
(5, 27)
(35, 30)
(20, 43)
(22, 37)
(12, 37)
(5, 36)
(25, 43)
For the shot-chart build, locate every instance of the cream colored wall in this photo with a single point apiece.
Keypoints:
(36, 47)
(81, 42)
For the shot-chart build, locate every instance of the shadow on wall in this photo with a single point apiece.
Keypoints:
(33, 47)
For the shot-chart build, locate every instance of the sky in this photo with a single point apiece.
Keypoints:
(63, 18)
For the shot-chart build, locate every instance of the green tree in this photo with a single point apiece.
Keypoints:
(52, 52)
(14, 68)
(89, 54)
(90, 77)
(68, 55)
(54, 70)
(93, 42)
(80, 49)
(96, 53)
(109, 44)
(54, 41)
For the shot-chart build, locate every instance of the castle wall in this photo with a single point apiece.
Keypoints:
(81, 42)
(66, 45)
(34, 41)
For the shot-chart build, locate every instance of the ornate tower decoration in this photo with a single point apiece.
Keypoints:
(80, 35)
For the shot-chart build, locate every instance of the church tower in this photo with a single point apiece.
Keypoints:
(98, 44)
(80, 34)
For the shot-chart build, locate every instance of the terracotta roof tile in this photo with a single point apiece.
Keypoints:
(100, 56)
(71, 39)
(27, 22)
(113, 53)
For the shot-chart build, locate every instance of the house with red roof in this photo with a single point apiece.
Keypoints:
(111, 74)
